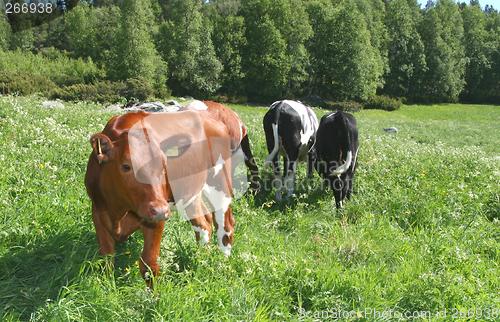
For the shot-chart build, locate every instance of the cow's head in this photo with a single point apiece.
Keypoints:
(140, 187)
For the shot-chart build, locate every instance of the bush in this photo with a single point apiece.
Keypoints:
(103, 92)
(25, 84)
(138, 88)
(347, 106)
(383, 103)
(107, 91)
(57, 67)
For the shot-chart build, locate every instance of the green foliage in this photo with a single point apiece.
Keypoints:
(136, 53)
(406, 50)
(490, 85)
(184, 41)
(102, 91)
(24, 83)
(276, 59)
(60, 69)
(374, 12)
(476, 49)
(345, 64)
(442, 34)
(382, 103)
(107, 91)
(229, 42)
(419, 233)
(270, 49)
(5, 33)
(347, 106)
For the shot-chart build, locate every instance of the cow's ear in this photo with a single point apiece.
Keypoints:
(102, 146)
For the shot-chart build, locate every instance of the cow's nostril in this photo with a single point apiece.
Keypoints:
(157, 211)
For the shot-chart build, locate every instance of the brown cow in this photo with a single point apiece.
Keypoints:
(141, 162)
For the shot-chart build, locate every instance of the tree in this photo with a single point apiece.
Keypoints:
(4, 32)
(374, 14)
(489, 89)
(406, 50)
(229, 42)
(442, 33)
(276, 59)
(344, 61)
(136, 55)
(185, 43)
(81, 31)
(476, 50)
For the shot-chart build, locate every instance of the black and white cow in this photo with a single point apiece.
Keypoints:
(336, 153)
(290, 128)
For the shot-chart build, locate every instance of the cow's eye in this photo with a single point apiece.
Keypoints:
(126, 168)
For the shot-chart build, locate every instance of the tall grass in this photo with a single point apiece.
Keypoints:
(420, 235)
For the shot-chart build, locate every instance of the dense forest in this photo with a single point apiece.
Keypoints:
(260, 50)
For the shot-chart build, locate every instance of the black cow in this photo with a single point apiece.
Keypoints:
(290, 128)
(336, 153)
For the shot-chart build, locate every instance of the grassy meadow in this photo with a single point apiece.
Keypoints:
(421, 234)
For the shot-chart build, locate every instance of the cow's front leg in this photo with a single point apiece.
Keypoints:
(224, 223)
(126, 226)
(102, 223)
(202, 229)
(151, 251)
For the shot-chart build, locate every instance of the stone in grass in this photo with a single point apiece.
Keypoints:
(391, 130)
(52, 104)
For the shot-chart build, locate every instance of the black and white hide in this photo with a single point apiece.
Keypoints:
(336, 153)
(290, 128)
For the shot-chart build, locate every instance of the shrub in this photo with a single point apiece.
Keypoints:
(347, 106)
(103, 92)
(25, 84)
(107, 91)
(57, 67)
(138, 88)
(383, 103)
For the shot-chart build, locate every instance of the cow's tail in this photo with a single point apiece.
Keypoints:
(274, 125)
(345, 145)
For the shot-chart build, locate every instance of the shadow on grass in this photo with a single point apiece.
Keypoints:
(31, 275)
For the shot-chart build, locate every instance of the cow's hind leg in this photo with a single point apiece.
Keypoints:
(277, 180)
(337, 187)
(291, 170)
(102, 225)
(251, 164)
(224, 223)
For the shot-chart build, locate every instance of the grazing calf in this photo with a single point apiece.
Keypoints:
(290, 128)
(336, 153)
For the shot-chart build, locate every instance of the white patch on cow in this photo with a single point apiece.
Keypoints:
(204, 238)
(220, 203)
(218, 199)
(218, 165)
(308, 119)
(355, 158)
(276, 147)
(221, 232)
(197, 106)
(343, 168)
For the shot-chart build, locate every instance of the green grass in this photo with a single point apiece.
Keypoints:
(420, 234)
